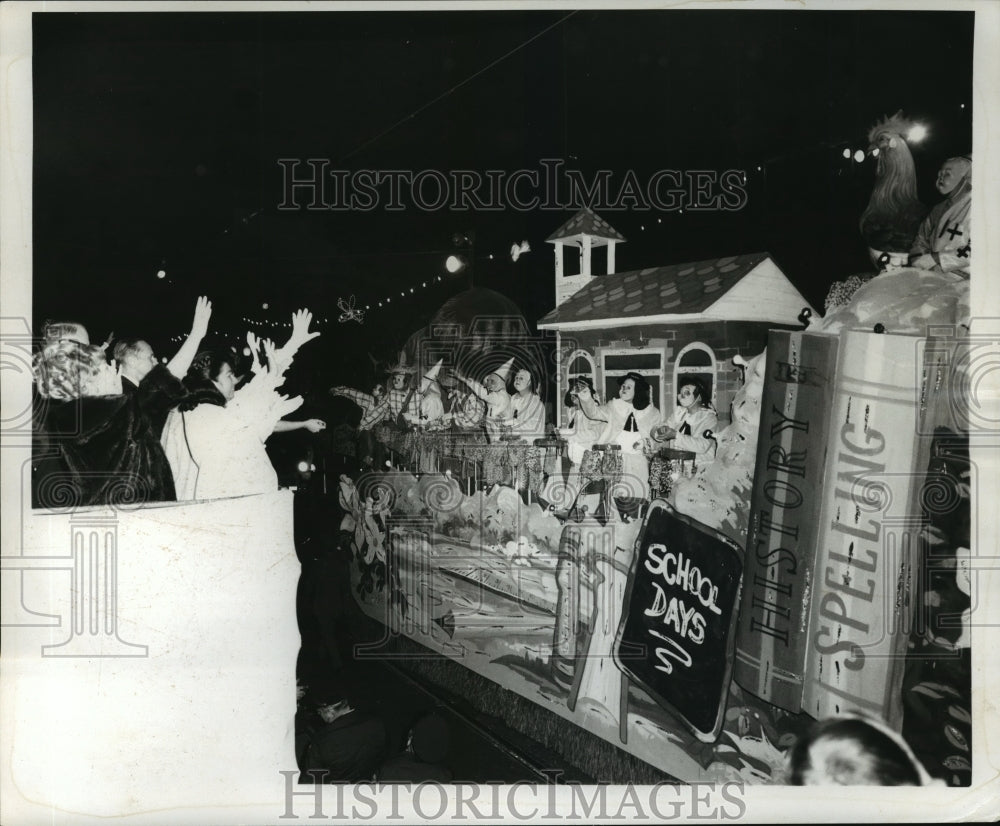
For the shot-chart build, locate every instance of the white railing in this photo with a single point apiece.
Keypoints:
(149, 660)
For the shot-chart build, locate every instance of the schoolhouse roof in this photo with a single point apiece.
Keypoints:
(696, 291)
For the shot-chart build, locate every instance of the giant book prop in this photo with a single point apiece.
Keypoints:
(861, 604)
(784, 523)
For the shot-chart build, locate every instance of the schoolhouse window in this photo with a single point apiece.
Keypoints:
(581, 364)
(647, 362)
(696, 360)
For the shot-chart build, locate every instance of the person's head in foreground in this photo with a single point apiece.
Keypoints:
(854, 750)
(212, 374)
(136, 358)
(68, 367)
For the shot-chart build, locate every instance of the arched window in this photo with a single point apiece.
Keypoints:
(695, 361)
(581, 363)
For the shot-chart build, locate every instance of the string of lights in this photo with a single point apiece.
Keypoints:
(354, 310)
(258, 323)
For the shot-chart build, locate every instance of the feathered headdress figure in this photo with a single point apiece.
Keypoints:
(890, 222)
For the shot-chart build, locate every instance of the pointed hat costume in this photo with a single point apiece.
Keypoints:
(503, 371)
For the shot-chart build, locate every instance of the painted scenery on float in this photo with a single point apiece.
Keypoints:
(787, 541)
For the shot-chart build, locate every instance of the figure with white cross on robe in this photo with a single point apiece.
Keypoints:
(943, 242)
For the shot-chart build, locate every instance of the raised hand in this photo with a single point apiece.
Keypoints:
(270, 354)
(202, 314)
(254, 344)
(300, 328)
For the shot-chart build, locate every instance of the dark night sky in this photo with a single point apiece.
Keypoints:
(157, 137)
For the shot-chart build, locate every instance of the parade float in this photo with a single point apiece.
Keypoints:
(818, 565)
(822, 562)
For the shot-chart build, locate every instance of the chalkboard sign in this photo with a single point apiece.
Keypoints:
(677, 633)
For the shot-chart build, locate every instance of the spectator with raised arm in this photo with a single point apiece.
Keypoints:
(158, 385)
(101, 446)
(215, 440)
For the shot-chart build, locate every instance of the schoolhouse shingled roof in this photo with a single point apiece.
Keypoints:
(586, 222)
(674, 290)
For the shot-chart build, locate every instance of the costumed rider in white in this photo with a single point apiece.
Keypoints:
(527, 413)
(427, 408)
(587, 420)
(631, 417)
(943, 242)
(493, 391)
(685, 428)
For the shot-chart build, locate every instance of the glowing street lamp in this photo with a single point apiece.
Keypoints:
(464, 260)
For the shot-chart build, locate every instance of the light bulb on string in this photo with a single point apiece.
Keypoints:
(859, 156)
(847, 153)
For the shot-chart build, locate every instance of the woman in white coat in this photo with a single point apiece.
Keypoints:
(215, 440)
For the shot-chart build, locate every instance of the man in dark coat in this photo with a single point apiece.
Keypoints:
(95, 444)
